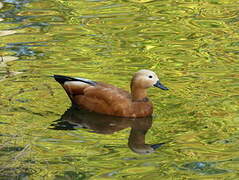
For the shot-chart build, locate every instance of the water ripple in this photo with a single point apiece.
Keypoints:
(192, 45)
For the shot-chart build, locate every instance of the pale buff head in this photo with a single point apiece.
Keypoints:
(144, 79)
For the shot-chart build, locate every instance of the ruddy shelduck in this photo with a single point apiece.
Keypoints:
(107, 99)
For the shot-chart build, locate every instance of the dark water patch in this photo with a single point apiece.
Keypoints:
(11, 14)
(71, 175)
(39, 25)
(24, 48)
(23, 109)
(63, 125)
(10, 149)
(2, 123)
(205, 168)
(22, 100)
(18, 173)
(20, 50)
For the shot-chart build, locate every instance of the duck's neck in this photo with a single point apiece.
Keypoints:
(138, 94)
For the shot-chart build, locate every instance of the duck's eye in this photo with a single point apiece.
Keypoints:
(150, 76)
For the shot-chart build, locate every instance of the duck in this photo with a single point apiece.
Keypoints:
(110, 100)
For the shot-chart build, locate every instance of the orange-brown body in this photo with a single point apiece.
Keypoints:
(108, 99)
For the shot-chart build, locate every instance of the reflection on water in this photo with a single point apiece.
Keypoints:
(192, 45)
(74, 118)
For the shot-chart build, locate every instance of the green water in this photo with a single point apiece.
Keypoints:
(192, 45)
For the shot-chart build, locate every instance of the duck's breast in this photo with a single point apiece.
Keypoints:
(142, 109)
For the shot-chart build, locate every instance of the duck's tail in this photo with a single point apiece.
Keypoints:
(62, 79)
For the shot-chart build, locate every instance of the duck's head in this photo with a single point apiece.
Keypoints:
(145, 79)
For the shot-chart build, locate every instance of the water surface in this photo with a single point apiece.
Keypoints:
(192, 45)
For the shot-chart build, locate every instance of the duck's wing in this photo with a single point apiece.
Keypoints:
(74, 85)
(62, 79)
(105, 99)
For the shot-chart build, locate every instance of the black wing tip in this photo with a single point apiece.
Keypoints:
(62, 79)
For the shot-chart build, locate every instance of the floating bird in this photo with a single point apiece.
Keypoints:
(107, 99)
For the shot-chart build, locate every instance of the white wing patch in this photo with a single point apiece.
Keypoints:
(76, 83)
(86, 81)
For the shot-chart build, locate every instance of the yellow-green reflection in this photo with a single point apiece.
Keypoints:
(192, 45)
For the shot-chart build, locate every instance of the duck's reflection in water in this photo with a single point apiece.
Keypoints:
(74, 118)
